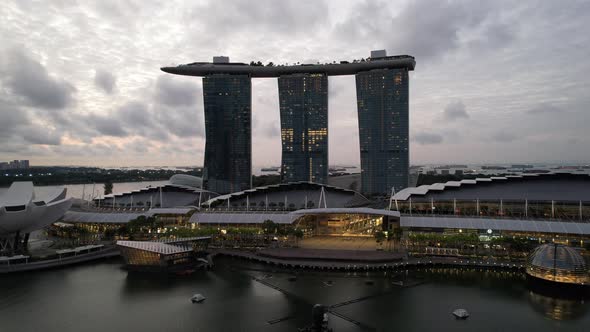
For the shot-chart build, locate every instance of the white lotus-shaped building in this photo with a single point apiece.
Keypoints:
(21, 212)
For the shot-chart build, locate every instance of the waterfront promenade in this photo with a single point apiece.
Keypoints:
(364, 265)
(107, 252)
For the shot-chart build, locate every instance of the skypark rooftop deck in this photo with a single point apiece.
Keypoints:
(330, 69)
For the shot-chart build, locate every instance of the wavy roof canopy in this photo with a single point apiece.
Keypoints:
(289, 186)
(535, 186)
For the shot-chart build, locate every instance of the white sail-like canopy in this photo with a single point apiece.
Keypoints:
(21, 211)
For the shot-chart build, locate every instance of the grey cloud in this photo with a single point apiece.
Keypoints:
(545, 109)
(137, 146)
(494, 35)
(181, 121)
(28, 78)
(13, 148)
(135, 114)
(504, 136)
(172, 92)
(42, 136)
(106, 125)
(105, 80)
(11, 118)
(543, 59)
(427, 138)
(425, 29)
(90, 150)
(454, 111)
(266, 16)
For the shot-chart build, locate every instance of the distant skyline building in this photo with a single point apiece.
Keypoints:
(383, 115)
(303, 100)
(228, 130)
(15, 164)
(382, 93)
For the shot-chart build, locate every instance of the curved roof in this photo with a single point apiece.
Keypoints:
(516, 225)
(558, 263)
(361, 210)
(155, 247)
(186, 180)
(258, 217)
(155, 189)
(556, 256)
(208, 68)
(242, 218)
(21, 212)
(480, 187)
(19, 193)
(119, 217)
(277, 187)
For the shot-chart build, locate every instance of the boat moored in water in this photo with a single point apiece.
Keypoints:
(197, 298)
(461, 314)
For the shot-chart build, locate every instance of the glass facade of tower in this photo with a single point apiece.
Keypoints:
(228, 129)
(383, 98)
(303, 100)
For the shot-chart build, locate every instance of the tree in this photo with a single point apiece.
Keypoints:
(269, 226)
(298, 235)
(109, 233)
(108, 188)
(396, 235)
(379, 237)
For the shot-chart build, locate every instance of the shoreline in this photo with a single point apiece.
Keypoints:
(60, 262)
(365, 265)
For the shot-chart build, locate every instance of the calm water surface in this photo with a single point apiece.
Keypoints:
(103, 297)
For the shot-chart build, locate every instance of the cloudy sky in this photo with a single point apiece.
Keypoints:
(495, 81)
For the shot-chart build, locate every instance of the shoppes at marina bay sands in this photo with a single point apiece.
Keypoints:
(497, 216)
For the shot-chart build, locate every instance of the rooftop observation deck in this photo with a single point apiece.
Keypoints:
(259, 70)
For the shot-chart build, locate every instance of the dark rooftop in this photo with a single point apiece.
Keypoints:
(272, 70)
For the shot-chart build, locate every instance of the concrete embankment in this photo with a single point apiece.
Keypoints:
(59, 262)
(369, 265)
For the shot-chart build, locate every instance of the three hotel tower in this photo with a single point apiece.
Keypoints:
(382, 89)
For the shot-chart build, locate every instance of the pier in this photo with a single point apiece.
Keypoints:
(410, 263)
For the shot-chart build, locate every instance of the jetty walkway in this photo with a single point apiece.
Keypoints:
(77, 258)
(353, 265)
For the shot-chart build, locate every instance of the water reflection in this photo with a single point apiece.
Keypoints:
(557, 308)
(114, 300)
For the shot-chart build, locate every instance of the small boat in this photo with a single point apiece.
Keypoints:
(461, 314)
(328, 283)
(369, 282)
(292, 278)
(197, 298)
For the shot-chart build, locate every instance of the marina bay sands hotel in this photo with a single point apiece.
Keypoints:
(382, 89)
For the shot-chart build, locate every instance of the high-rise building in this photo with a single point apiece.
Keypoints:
(303, 100)
(228, 129)
(382, 97)
(15, 164)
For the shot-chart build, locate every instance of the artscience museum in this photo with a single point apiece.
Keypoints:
(22, 211)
